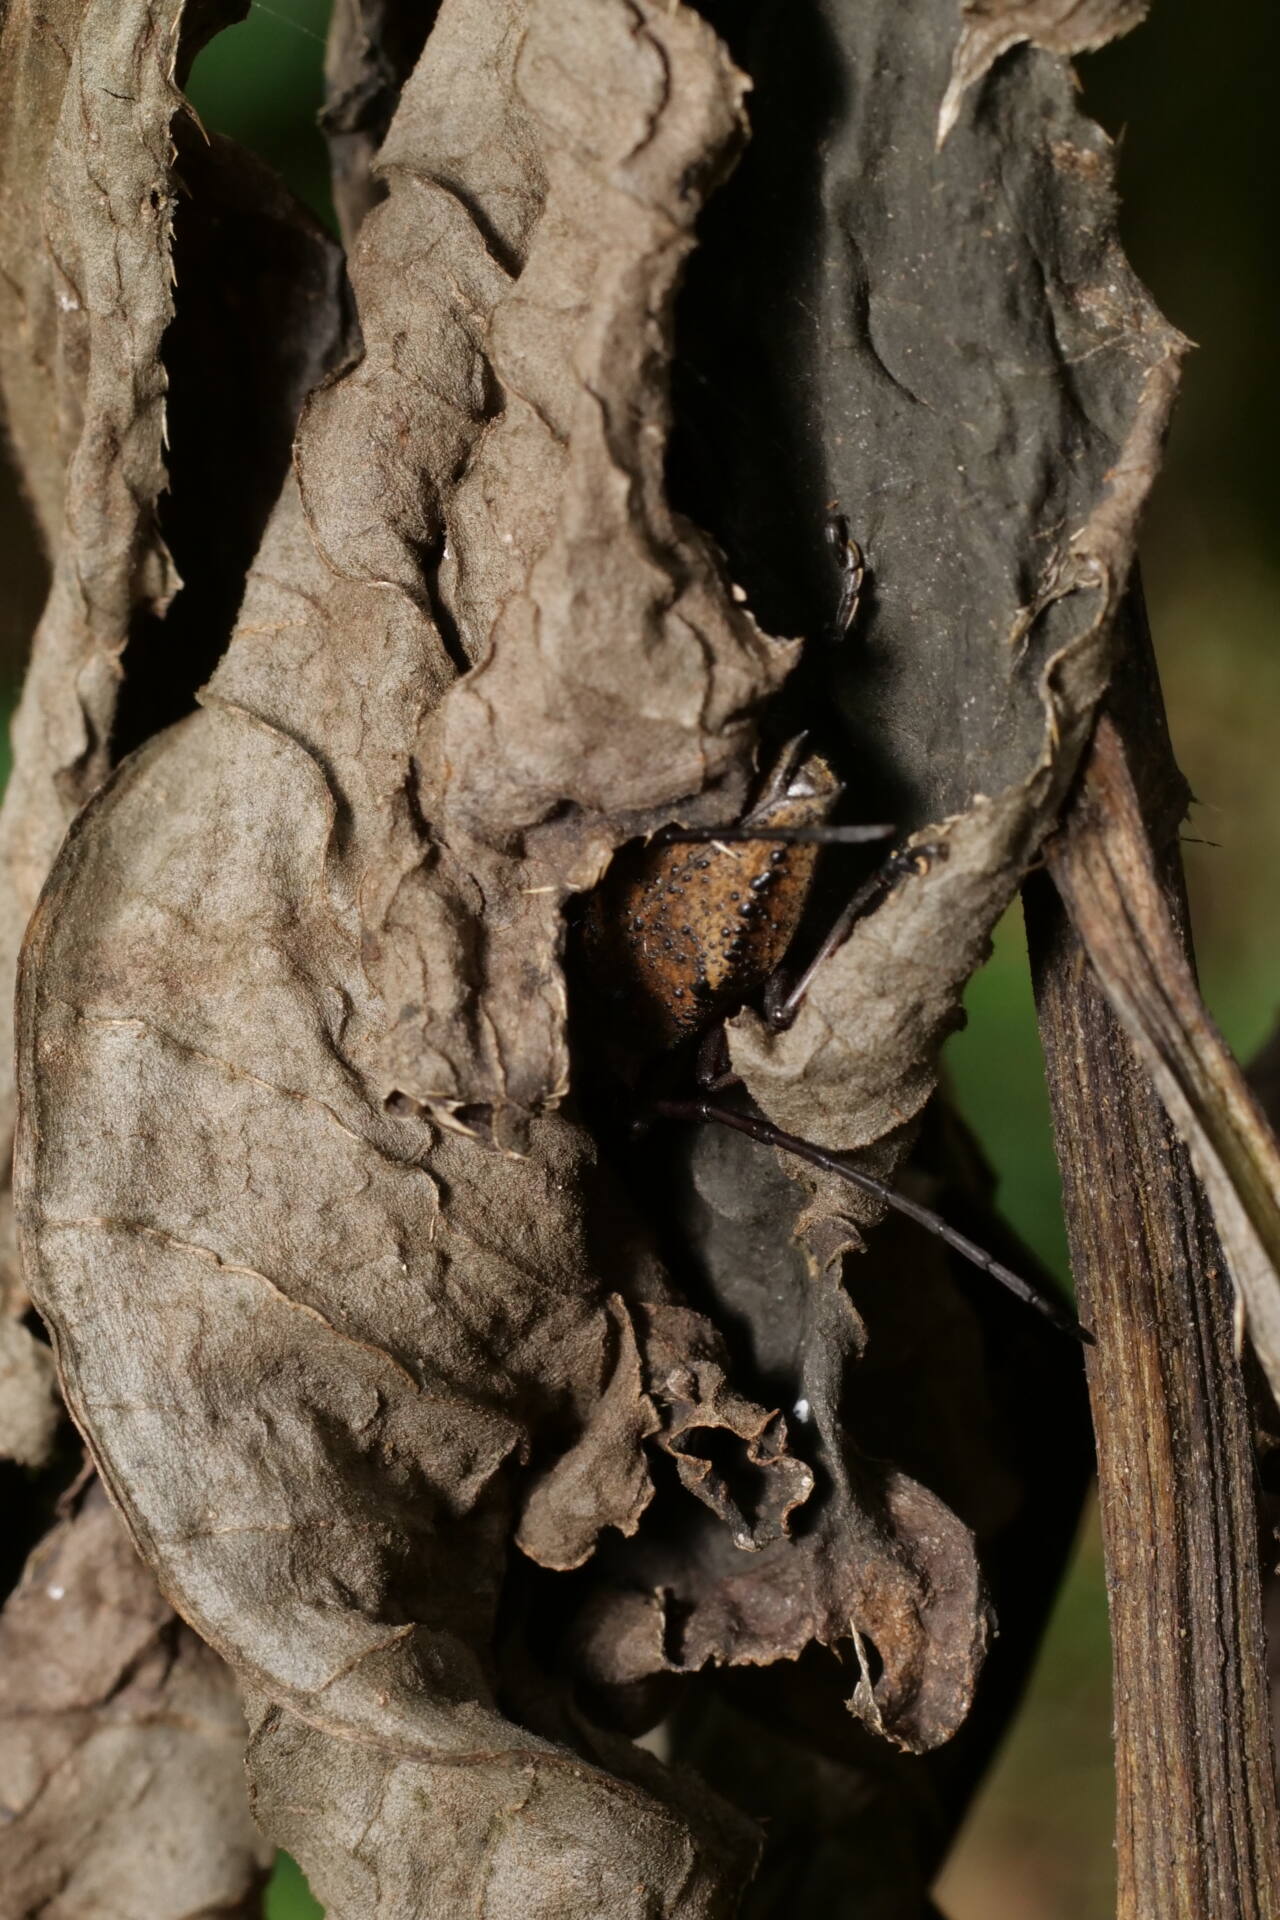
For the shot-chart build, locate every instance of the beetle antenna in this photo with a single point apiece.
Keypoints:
(820, 836)
(771, 1136)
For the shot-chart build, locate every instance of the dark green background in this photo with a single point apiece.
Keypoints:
(1188, 94)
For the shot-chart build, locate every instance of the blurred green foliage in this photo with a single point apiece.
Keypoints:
(289, 1897)
(1189, 95)
(262, 83)
(995, 1072)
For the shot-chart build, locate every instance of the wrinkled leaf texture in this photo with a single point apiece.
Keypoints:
(123, 1775)
(343, 1295)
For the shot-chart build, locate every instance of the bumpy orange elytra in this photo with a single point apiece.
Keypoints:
(679, 935)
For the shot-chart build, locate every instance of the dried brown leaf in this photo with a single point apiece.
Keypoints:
(878, 1568)
(998, 568)
(522, 1835)
(122, 1729)
(394, 1337)
(87, 286)
(86, 96)
(90, 275)
(282, 973)
(372, 48)
(86, 216)
(991, 27)
(121, 1774)
(987, 1409)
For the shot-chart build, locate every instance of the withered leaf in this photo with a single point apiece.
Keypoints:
(525, 1835)
(995, 1420)
(94, 383)
(997, 384)
(121, 1779)
(322, 916)
(512, 292)
(86, 384)
(122, 1735)
(312, 1405)
(991, 27)
(372, 48)
(879, 1567)
(86, 286)
(87, 210)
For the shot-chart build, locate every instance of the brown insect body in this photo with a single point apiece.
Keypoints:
(680, 935)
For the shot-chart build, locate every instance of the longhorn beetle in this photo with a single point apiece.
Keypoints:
(692, 925)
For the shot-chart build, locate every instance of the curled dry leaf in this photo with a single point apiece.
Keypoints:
(123, 1730)
(534, 1833)
(121, 1779)
(880, 1568)
(84, 383)
(997, 491)
(991, 27)
(512, 294)
(94, 385)
(987, 1408)
(83, 395)
(392, 1340)
(372, 48)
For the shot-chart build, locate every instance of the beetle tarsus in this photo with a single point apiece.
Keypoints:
(852, 570)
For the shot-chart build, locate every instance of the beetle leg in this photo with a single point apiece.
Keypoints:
(821, 836)
(852, 571)
(781, 1006)
(712, 1070)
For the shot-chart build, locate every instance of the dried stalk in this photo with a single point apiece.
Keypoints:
(1196, 1814)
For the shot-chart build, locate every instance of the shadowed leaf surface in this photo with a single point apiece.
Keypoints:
(120, 1743)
